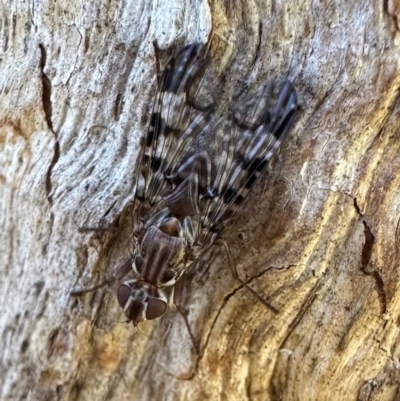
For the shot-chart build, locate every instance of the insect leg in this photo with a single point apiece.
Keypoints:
(202, 266)
(260, 298)
(104, 283)
(222, 242)
(178, 292)
(104, 226)
(101, 229)
(128, 211)
(122, 272)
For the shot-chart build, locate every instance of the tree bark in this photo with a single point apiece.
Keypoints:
(319, 237)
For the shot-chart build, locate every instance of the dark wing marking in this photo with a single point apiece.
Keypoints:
(225, 158)
(200, 167)
(182, 109)
(258, 126)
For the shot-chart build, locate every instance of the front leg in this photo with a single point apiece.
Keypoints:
(122, 272)
(118, 221)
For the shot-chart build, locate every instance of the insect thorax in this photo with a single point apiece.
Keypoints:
(162, 253)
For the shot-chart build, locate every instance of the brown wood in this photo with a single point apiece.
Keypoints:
(319, 238)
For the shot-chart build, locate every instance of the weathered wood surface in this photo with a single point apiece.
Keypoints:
(319, 238)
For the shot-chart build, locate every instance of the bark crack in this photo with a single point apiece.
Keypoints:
(49, 185)
(46, 89)
(48, 111)
(369, 239)
(392, 16)
(258, 48)
(366, 254)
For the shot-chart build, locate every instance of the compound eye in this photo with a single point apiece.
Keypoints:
(155, 308)
(123, 294)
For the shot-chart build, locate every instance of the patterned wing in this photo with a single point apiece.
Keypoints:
(182, 109)
(258, 124)
(222, 164)
(198, 166)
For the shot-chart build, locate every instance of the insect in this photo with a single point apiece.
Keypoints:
(196, 168)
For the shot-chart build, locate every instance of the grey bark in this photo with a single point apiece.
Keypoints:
(319, 237)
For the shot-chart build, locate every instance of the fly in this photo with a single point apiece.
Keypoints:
(196, 169)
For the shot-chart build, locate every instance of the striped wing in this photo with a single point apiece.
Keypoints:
(227, 156)
(258, 126)
(198, 166)
(182, 109)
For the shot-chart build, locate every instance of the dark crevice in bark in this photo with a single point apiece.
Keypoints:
(76, 387)
(49, 185)
(393, 17)
(53, 336)
(366, 254)
(369, 239)
(368, 245)
(258, 48)
(118, 106)
(24, 346)
(60, 392)
(5, 32)
(46, 89)
(48, 110)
